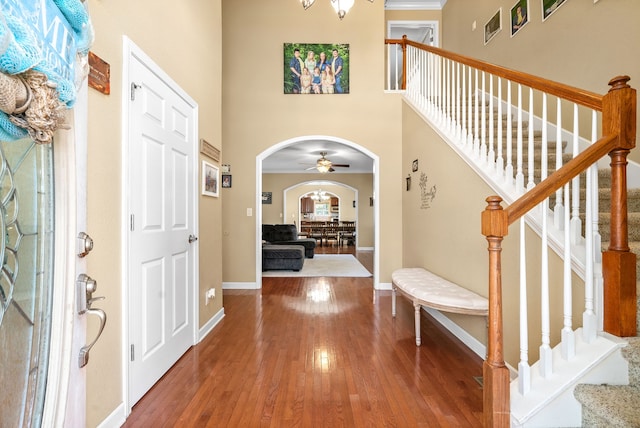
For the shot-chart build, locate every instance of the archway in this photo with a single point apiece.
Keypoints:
(301, 140)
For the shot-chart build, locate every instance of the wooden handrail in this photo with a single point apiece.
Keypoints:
(570, 93)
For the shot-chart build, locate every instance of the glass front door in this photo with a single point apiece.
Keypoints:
(26, 279)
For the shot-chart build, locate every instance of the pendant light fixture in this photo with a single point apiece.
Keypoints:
(340, 6)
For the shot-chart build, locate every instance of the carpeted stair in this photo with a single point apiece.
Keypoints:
(605, 406)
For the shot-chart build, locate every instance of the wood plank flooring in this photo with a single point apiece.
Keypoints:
(318, 352)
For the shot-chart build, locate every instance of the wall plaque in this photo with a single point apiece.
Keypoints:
(99, 74)
(209, 151)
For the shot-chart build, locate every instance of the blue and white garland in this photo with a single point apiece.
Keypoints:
(24, 61)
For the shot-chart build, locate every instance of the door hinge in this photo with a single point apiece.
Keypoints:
(134, 86)
(133, 354)
(131, 223)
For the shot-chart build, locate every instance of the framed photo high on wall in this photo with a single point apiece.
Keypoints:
(316, 68)
(550, 6)
(519, 16)
(493, 27)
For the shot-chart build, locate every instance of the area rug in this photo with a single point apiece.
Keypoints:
(326, 265)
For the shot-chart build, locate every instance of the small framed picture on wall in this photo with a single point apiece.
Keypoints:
(210, 179)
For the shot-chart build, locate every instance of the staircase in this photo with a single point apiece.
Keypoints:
(607, 405)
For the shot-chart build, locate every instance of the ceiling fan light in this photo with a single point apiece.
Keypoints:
(323, 168)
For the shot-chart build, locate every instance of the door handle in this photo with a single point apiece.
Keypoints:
(83, 358)
(86, 286)
(192, 239)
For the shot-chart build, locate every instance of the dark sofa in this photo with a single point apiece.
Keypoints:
(287, 234)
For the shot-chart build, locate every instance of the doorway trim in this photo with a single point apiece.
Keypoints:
(131, 50)
(376, 205)
(416, 25)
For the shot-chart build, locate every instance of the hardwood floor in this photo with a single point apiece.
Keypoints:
(317, 352)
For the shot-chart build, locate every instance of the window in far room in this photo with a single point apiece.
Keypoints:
(321, 209)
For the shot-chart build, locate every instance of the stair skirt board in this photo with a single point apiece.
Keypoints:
(551, 403)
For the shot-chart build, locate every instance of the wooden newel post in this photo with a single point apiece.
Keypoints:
(404, 62)
(619, 263)
(496, 403)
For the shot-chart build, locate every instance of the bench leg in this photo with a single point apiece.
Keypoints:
(393, 301)
(417, 321)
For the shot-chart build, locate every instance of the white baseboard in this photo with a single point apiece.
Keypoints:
(364, 248)
(470, 341)
(116, 419)
(209, 325)
(239, 286)
(384, 286)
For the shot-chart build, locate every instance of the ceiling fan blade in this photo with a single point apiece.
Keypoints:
(342, 165)
(331, 169)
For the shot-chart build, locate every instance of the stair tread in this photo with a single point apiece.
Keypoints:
(617, 404)
(631, 352)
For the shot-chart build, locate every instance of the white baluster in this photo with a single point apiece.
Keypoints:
(568, 349)
(423, 81)
(530, 146)
(470, 97)
(491, 154)
(389, 66)
(576, 223)
(558, 208)
(546, 362)
(508, 173)
(464, 100)
(589, 317)
(476, 141)
(440, 102)
(483, 129)
(458, 101)
(446, 86)
(519, 173)
(500, 138)
(598, 280)
(524, 370)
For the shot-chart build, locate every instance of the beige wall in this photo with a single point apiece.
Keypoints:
(582, 44)
(444, 237)
(277, 183)
(257, 115)
(192, 59)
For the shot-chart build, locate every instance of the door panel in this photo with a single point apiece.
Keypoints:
(162, 202)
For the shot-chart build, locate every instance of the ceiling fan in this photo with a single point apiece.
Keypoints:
(325, 165)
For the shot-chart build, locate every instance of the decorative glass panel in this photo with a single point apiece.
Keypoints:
(26, 279)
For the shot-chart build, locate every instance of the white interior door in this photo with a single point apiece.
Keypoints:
(162, 252)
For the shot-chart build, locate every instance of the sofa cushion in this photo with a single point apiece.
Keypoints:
(282, 251)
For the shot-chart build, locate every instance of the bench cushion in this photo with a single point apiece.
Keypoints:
(434, 291)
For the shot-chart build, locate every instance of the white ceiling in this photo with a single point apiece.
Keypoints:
(298, 158)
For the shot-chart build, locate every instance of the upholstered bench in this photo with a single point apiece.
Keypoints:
(282, 257)
(425, 288)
